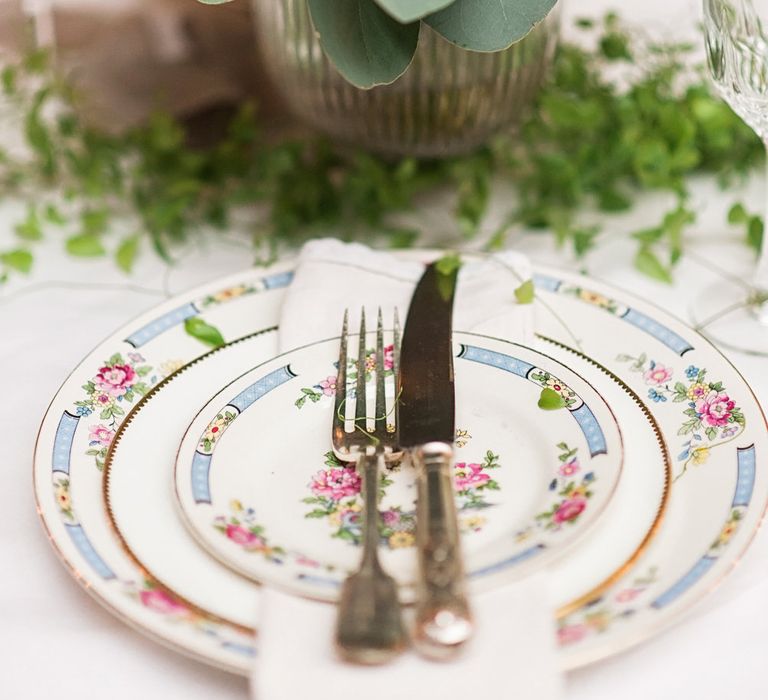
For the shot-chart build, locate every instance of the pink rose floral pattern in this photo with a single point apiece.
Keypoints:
(710, 418)
(572, 491)
(240, 527)
(114, 386)
(335, 497)
(600, 614)
(326, 387)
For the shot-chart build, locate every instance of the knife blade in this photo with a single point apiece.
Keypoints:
(426, 420)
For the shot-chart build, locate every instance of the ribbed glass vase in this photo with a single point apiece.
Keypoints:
(449, 101)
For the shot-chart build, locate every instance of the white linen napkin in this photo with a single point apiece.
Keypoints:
(513, 654)
(332, 276)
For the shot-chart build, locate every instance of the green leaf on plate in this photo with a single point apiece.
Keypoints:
(480, 25)
(525, 293)
(550, 400)
(19, 260)
(405, 11)
(85, 245)
(204, 332)
(367, 46)
(448, 264)
(447, 268)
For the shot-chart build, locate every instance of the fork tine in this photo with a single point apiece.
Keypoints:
(341, 383)
(360, 400)
(380, 416)
(396, 373)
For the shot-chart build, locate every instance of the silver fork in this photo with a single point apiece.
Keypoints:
(369, 628)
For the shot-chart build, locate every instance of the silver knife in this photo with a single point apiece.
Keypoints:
(427, 426)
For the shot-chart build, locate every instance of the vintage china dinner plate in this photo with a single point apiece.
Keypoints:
(138, 470)
(261, 489)
(702, 519)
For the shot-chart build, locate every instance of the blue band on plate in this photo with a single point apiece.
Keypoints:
(201, 488)
(262, 387)
(496, 359)
(84, 546)
(663, 334)
(593, 433)
(281, 279)
(162, 324)
(547, 283)
(62, 443)
(506, 563)
(745, 481)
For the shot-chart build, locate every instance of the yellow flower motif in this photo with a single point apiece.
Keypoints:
(170, 366)
(697, 391)
(335, 518)
(235, 505)
(579, 491)
(474, 522)
(522, 536)
(462, 437)
(700, 455)
(556, 385)
(726, 534)
(63, 498)
(599, 620)
(398, 540)
(231, 293)
(594, 298)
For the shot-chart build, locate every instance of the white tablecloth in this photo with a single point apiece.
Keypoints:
(56, 642)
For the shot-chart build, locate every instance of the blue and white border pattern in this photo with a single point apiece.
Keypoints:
(581, 413)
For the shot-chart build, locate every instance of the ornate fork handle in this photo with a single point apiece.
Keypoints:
(369, 626)
(443, 616)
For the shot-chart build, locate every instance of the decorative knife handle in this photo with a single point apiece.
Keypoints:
(443, 617)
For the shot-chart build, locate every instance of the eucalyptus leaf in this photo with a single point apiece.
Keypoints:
(405, 11)
(204, 332)
(365, 44)
(480, 25)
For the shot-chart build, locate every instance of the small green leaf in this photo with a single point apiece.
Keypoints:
(204, 332)
(29, 229)
(19, 260)
(447, 269)
(53, 215)
(550, 400)
(8, 78)
(85, 245)
(127, 252)
(755, 233)
(737, 214)
(525, 293)
(649, 264)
